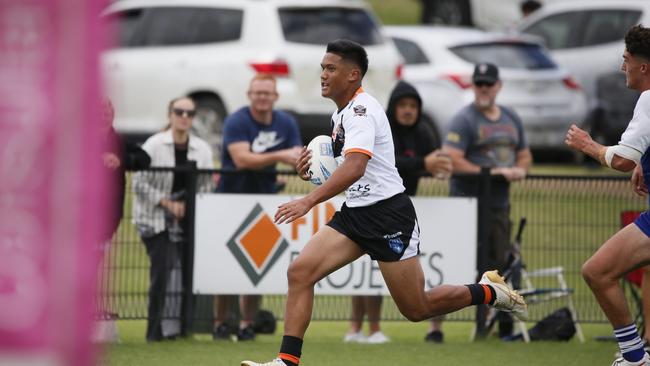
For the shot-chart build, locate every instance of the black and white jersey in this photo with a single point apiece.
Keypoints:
(362, 126)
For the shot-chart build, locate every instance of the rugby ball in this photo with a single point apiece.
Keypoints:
(322, 162)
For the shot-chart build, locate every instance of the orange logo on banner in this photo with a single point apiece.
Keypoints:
(258, 243)
(260, 240)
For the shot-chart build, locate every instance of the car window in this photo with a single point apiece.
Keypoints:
(410, 51)
(603, 26)
(321, 25)
(167, 26)
(558, 30)
(508, 55)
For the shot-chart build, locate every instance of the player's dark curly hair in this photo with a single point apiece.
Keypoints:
(637, 41)
(350, 51)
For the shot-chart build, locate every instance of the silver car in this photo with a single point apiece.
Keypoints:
(439, 62)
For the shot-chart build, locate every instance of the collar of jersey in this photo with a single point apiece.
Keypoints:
(359, 91)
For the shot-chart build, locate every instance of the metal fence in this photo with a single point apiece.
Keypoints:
(568, 217)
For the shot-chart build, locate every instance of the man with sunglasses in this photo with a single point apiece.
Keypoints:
(485, 134)
(255, 138)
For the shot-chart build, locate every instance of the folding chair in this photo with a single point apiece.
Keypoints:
(523, 280)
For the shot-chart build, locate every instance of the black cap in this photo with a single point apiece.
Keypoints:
(486, 73)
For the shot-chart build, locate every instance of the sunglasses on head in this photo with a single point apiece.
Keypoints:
(180, 112)
(481, 84)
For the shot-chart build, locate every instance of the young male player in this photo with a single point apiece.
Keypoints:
(377, 218)
(629, 248)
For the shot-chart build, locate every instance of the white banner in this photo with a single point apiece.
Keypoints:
(239, 250)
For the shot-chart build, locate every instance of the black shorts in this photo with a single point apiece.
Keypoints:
(388, 230)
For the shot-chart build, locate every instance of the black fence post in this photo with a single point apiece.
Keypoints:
(187, 305)
(481, 247)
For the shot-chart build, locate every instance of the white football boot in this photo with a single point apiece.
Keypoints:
(276, 362)
(507, 300)
(623, 362)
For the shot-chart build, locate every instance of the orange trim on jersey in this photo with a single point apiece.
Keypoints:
(288, 357)
(488, 294)
(366, 152)
(359, 91)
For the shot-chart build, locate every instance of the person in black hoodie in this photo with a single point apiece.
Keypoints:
(415, 145)
(415, 155)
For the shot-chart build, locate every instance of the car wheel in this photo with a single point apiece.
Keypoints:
(451, 12)
(208, 123)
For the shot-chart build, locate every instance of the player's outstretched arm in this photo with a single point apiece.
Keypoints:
(352, 169)
(580, 140)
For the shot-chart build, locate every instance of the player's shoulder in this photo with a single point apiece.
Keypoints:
(644, 99)
(365, 105)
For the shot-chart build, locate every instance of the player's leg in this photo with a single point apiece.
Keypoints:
(405, 281)
(627, 249)
(325, 252)
(645, 304)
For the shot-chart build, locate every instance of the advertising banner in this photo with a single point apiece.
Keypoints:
(239, 250)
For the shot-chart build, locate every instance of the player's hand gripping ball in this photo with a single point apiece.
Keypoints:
(322, 162)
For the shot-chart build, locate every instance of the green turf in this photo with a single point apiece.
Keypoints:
(323, 347)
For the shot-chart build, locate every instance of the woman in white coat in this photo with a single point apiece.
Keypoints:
(159, 213)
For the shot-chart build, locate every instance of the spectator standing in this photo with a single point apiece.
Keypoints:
(117, 158)
(485, 134)
(255, 138)
(159, 213)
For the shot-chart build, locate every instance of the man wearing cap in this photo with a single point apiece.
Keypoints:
(485, 134)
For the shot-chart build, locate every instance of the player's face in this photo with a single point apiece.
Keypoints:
(181, 115)
(634, 67)
(334, 77)
(262, 95)
(485, 94)
(406, 111)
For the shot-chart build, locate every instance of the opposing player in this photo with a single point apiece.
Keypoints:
(630, 247)
(377, 218)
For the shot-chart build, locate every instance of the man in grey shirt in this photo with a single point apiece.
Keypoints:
(485, 134)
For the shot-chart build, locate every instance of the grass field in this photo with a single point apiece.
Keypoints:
(323, 347)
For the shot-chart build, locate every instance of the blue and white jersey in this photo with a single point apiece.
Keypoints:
(637, 133)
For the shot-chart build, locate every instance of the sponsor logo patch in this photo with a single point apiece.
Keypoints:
(257, 244)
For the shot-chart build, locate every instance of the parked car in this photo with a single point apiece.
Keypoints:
(210, 49)
(586, 38)
(487, 15)
(439, 62)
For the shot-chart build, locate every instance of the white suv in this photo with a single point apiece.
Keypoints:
(210, 49)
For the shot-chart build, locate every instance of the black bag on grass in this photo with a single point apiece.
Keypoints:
(557, 326)
(264, 322)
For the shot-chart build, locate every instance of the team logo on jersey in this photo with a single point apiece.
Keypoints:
(359, 110)
(257, 244)
(396, 245)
